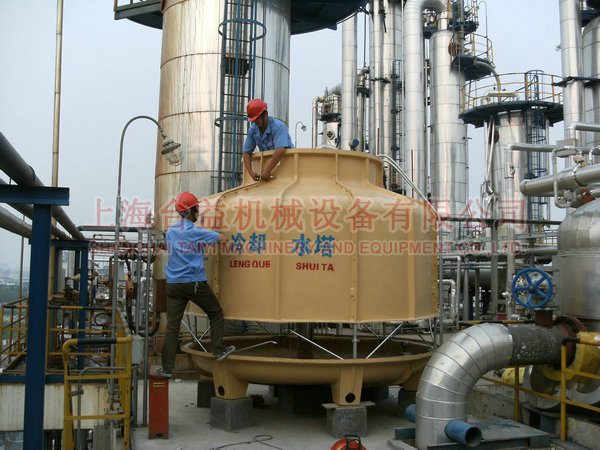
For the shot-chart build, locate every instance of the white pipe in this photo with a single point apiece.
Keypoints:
(572, 66)
(376, 72)
(315, 119)
(349, 67)
(414, 81)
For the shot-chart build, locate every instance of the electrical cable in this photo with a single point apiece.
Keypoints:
(259, 438)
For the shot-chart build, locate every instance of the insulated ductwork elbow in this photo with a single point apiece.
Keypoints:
(457, 365)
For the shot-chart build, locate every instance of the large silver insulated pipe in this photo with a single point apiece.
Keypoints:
(571, 179)
(349, 67)
(591, 68)
(570, 51)
(414, 81)
(13, 165)
(449, 159)
(376, 31)
(391, 72)
(459, 363)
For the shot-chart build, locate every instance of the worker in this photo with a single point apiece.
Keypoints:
(186, 280)
(266, 133)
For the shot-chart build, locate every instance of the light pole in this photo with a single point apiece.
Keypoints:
(172, 152)
(296, 132)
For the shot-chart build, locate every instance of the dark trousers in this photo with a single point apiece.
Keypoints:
(178, 295)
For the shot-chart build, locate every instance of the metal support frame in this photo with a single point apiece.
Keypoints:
(42, 198)
(81, 249)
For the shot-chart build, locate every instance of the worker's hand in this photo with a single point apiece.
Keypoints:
(266, 175)
(255, 176)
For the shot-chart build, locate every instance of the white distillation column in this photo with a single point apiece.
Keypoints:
(349, 66)
(591, 68)
(190, 89)
(570, 51)
(414, 146)
(449, 156)
(376, 77)
(391, 71)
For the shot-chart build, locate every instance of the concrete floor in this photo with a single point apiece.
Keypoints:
(189, 426)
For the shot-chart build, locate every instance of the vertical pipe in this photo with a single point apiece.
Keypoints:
(375, 105)
(570, 52)
(494, 273)
(315, 120)
(57, 85)
(33, 431)
(477, 311)
(466, 296)
(349, 67)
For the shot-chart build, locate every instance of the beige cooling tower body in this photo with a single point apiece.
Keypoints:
(321, 242)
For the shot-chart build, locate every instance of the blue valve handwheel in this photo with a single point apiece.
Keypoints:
(532, 288)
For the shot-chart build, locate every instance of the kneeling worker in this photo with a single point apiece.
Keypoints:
(266, 133)
(186, 280)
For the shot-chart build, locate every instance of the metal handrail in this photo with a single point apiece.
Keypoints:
(563, 391)
(123, 363)
(515, 87)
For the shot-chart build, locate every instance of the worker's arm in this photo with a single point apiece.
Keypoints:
(277, 155)
(248, 164)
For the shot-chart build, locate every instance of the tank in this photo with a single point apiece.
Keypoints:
(579, 262)
(449, 158)
(591, 68)
(321, 242)
(190, 94)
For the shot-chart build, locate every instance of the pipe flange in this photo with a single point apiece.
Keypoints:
(569, 326)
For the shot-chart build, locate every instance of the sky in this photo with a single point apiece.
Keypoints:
(110, 73)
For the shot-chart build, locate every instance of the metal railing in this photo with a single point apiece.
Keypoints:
(472, 44)
(13, 321)
(565, 372)
(515, 87)
(120, 372)
(61, 326)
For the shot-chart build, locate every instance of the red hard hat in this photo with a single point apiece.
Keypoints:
(185, 201)
(255, 108)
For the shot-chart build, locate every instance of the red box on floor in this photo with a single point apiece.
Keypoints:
(158, 406)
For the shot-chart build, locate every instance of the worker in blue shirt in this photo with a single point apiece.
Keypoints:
(186, 280)
(266, 133)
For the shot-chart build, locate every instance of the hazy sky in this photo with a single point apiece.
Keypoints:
(111, 74)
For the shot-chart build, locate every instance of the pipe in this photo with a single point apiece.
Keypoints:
(27, 211)
(569, 179)
(458, 364)
(453, 302)
(572, 127)
(362, 95)
(315, 119)
(537, 148)
(376, 77)
(16, 168)
(12, 223)
(464, 433)
(414, 81)
(349, 67)
(571, 60)
(57, 84)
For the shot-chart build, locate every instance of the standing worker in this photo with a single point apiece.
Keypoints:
(186, 280)
(267, 133)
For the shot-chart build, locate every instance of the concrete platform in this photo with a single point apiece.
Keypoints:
(190, 426)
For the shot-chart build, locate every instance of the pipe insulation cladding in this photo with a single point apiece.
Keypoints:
(456, 366)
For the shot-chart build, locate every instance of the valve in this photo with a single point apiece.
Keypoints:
(532, 288)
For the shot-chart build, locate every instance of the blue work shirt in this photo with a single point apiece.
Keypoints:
(186, 251)
(275, 136)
